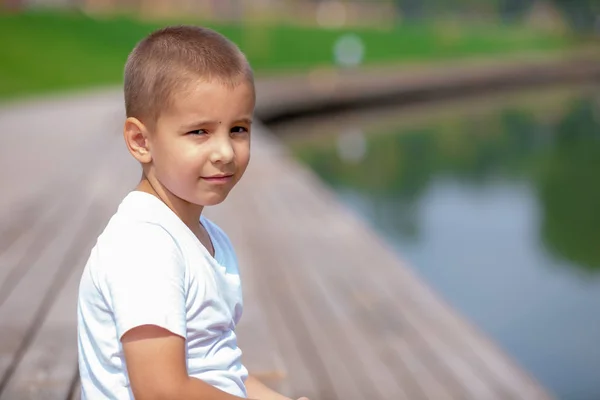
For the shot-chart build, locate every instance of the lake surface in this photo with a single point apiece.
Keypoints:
(495, 202)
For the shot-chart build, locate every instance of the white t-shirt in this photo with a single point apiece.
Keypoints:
(148, 268)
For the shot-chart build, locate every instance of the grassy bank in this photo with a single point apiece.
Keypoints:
(43, 51)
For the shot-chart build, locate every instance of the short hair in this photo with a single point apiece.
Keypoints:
(165, 61)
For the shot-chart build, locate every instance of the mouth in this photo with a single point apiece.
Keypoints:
(218, 179)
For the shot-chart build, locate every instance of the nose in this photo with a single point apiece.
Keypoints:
(222, 149)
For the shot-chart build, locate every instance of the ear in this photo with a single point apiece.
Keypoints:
(136, 139)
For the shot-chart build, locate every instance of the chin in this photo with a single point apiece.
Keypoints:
(213, 200)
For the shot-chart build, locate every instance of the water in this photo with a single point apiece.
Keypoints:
(496, 203)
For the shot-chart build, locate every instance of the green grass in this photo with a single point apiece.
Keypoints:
(45, 51)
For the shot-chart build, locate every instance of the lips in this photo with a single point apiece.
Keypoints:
(218, 179)
(219, 176)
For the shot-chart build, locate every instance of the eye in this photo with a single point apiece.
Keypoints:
(239, 130)
(197, 132)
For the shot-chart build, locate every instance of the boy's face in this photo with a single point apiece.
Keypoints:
(200, 147)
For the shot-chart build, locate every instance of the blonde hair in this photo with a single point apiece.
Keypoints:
(168, 59)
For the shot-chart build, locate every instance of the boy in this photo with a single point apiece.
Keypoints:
(160, 295)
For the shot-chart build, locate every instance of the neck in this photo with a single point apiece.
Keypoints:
(189, 213)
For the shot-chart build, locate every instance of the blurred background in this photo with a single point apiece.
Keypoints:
(83, 42)
(493, 200)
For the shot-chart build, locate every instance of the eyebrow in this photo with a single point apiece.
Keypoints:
(247, 121)
(213, 122)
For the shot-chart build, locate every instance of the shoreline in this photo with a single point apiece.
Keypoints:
(322, 92)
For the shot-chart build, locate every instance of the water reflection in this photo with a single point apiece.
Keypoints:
(569, 189)
(496, 209)
(559, 159)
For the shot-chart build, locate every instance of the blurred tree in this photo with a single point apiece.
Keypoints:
(434, 8)
(511, 10)
(410, 9)
(583, 14)
(569, 191)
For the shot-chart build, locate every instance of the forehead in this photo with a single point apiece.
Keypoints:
(212, 99)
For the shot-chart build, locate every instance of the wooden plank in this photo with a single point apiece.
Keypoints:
(30, 217)
(17, 219)
(331, 378)
(515, 383)
(397, 341)
(512, 389)
(468, 361)
(371, 317)
(352, 346)
(298, 380)
(465, 369)
(13, 258)
(376, 314)
(40, 211)
(381, 317)
(48, 366)
(261, 355)
(383, 312)
(22, 312)
(66, 133)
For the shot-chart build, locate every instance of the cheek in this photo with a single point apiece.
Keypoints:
(242, 154)
(177, 160)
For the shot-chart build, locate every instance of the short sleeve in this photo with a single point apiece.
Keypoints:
(145, 281)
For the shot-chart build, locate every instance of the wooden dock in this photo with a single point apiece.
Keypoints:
(330, 311)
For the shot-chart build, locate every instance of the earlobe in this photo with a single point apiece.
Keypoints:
(136, 139)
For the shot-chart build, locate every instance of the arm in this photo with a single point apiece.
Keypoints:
(156, 365)
(257, 390)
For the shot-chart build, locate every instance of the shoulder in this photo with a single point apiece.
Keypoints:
(129, 259)
(141, 224)
(137, 235)
(136, 247)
